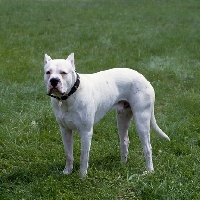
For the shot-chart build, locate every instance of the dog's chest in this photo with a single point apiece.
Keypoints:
(67, 120)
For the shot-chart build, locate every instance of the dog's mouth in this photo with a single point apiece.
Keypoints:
(55, 91)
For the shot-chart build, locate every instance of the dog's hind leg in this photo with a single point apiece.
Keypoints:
(123, 122)
(67, 138)
(142, 122)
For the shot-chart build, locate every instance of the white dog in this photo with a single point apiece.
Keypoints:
(81, 100)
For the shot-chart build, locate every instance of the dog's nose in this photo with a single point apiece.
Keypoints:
(54, 81)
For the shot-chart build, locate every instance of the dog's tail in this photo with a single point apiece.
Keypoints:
(156, 127)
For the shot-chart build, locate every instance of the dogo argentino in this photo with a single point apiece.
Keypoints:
(81, 100)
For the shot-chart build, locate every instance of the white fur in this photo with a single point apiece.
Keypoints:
(122, 89)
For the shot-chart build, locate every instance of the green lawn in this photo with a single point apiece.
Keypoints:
(158, 38)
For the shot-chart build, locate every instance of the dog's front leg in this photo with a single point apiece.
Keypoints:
(86, 137)
(67, 138)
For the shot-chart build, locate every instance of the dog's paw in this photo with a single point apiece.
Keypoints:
(67, 170)
(123, 159)
(147, 172)
(83, 174)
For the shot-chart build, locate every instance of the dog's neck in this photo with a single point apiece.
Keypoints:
(73, 89)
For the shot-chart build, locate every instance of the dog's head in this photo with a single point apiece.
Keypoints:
(59, 74)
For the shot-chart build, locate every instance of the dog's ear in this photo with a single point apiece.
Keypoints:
(71, 59)
(46, 59)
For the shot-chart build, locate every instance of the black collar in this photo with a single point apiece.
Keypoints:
(73, 89)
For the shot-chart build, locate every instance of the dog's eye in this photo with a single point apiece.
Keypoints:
(63, 73)
(47, 72)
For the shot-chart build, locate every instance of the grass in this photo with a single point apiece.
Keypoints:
(160, 39)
